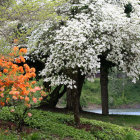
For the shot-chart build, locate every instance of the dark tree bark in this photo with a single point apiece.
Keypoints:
(69, 98)
(52, 99)
(104, 71)
(75, 94)
(69, 94)
(104, 86)
(76, 106)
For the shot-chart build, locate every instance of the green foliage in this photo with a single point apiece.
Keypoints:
(7, 136)
(4, 47)
(34, 136)
(26, 10)
(122, 120)
(53, 126)
(19, 19)
(130, 136)
(7, 114)
(5, 2)
(122, 90)
(91, 93)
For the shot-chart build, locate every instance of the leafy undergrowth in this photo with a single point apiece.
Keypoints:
(57, 126)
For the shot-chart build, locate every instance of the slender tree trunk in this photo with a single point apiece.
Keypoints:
(104, 86)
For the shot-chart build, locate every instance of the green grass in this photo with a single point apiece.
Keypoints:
(118, 94)
(123, 91)
(53, 126)
(122, 120)
(91, 93)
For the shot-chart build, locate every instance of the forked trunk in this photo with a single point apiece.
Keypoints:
(53, 98)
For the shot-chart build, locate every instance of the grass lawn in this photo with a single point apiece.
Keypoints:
(118, 95)
(48, 125)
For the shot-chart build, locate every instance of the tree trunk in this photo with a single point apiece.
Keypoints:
(69, 99)
(75, 94)
(104, 86)
(76, 106)
(69, 94)
(53, 98)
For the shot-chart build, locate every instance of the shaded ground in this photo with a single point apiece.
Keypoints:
(8, 126)
(86, 127)
(122, 120)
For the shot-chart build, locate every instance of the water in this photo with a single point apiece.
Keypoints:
(118, 111)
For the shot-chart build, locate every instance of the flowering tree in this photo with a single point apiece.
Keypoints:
(38, 52)
(123, 55)
(20, 17)
(72, 70)
(16, 89)
(100, 36)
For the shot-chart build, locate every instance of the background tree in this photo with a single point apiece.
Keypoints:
(107, 64)
(20, 18)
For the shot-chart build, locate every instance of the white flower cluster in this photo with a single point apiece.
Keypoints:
(38, 42)
(72, 50)
(105, 28)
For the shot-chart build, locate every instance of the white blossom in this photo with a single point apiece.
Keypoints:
(78, 44)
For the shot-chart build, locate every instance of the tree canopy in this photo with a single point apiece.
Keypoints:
(100, 28)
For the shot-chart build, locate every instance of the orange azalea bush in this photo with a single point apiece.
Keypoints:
(16, 87)
(15, 82)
